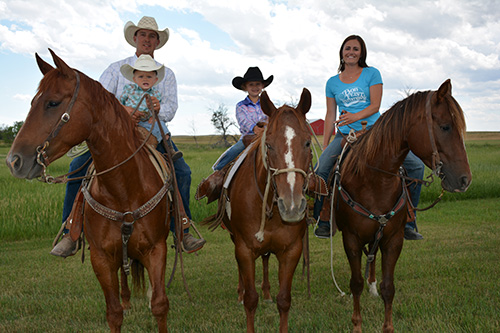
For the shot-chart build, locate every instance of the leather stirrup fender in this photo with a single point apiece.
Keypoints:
(75, 219)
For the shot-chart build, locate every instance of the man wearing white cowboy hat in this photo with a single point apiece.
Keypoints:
(146, 38)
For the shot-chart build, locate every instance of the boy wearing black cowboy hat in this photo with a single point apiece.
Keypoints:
(248, 112)
(251, 120)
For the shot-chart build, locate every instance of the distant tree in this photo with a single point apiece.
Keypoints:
(222, 122)
(8, 133)
(407, 91)
(193, 130)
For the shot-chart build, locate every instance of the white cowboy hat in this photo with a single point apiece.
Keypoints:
(144, 63)
(147, 23)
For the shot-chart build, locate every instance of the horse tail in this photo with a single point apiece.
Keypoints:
(138, 281)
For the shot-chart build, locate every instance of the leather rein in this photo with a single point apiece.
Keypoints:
(43, 159)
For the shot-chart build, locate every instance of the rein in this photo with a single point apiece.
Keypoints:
(271, 173)
(43, 160)
(437, 164)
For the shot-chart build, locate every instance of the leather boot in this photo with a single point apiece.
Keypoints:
(191, 244)
(65, 248)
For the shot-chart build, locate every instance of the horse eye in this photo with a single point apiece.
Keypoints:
(269, 146)
(445, 128)
(308, 144)
(53, 104)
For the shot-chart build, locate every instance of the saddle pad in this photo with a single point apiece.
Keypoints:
(236, 165)
(159, 162)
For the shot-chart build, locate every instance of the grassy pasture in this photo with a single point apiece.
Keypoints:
(446, 283)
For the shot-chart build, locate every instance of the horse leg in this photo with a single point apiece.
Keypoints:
(241, 288)
(246, 265)
(266, 286)
(390, 256)
(108, 279)
(288, 262)
(372, 279)
(155, 265)
(353, 251)
(125, 291)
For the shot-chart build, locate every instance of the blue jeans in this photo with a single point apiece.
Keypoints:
(229, 155)
(325, 164)
(73, 186)
(413, 165)
(183, 176)
(415, 169)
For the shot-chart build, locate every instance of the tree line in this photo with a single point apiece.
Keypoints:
(8, 133)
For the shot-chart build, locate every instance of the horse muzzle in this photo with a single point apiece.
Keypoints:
(21, 166)
(292, 210)
(455, 180)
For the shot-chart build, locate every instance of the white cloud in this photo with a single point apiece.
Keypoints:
(22, 97)
(415, 46)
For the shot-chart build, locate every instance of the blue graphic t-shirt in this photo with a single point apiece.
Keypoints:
(354, 97)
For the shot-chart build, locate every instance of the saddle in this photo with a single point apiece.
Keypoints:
(74, 223)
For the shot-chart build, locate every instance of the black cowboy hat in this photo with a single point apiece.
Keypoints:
(252, 74)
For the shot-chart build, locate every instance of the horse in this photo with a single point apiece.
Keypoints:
(69, 108)
(370, 204)
(265, 205)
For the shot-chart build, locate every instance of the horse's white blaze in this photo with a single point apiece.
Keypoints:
(289, 135)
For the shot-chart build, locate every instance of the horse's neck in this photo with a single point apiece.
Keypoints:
(378, 171)
(111, 142)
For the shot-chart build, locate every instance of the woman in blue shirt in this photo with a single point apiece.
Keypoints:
(357, 92)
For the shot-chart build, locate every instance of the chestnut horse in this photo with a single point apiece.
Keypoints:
(265, 206)
(70, 108)
(370, 204)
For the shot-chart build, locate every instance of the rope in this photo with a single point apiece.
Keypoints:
(314, 147)
(351, 137)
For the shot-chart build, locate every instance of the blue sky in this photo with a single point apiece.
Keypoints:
(416, 45)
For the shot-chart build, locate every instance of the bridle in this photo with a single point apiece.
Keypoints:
(42, 157)
(437, 164)
(271, 174)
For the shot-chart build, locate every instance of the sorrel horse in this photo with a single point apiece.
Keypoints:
(70, 108)
(265, 203)
(370, 204)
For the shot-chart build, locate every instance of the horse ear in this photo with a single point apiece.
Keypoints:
(444, 89)
(305, 101)
(266, 104)
(65, 69)
(44, 66)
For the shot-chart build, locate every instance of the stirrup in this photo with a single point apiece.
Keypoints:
(59, 237)
(59, 234)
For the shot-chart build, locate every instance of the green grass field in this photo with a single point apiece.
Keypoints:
(447, 282)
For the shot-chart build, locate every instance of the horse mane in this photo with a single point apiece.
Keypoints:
(390, 130)
(100, 96)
